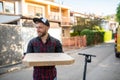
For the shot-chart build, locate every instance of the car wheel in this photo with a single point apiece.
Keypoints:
(116, 55)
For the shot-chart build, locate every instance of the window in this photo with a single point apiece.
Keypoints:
(30, 10)
(63, 32)
(38, 11)
(34, 10)
(9, 7)
(1, 7)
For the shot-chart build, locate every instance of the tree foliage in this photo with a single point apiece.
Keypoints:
(118, 13)
(83, 23)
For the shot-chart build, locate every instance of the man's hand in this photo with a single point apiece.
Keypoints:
(23, 57)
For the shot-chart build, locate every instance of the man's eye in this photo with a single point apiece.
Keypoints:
(38, 27)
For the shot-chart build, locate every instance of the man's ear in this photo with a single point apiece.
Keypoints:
(47, 27)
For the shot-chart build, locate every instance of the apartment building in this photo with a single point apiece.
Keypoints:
(21, 12)
(76, 17)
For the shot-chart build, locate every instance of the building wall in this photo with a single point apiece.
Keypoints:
(27, 34)
(66, 32)
(56, 32)
(10, 44)
(13, 42)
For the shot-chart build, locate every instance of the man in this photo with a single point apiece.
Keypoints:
(44, 43)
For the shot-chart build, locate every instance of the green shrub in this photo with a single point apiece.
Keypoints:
(74, 34)
(89, 36)
(98, 37)
(93, 36)
(96, 28)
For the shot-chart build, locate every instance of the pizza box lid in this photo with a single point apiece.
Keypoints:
(47, 59)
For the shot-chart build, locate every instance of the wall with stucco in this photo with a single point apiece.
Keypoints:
(10, 44)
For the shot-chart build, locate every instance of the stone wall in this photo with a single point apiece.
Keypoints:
(10, 44)
(13, 43)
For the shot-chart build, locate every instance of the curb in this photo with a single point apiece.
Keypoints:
(12, 67)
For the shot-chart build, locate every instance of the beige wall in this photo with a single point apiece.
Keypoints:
(53, 24)
(66, 32)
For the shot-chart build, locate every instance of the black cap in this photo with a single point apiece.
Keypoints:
(43, 20)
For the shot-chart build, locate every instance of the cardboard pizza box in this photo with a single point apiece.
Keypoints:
(47, 59)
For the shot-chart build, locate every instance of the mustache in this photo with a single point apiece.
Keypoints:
(42, 34)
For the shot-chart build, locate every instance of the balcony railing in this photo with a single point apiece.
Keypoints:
(54, 16)
(66, 24)
(66, 21)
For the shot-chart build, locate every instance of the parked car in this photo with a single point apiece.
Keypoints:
(117, 42)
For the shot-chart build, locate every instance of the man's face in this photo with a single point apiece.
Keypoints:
(41, 29)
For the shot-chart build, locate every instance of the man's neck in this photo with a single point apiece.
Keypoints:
(44, 38)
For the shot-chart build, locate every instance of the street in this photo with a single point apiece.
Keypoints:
(105, 66)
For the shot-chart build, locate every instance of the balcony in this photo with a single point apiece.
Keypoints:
(54, 16)
(66, 22)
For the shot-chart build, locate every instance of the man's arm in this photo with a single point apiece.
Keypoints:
(29, 49)
(58, 47)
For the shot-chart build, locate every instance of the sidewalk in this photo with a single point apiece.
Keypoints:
(9, 68)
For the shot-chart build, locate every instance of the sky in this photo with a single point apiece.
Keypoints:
(98, 7)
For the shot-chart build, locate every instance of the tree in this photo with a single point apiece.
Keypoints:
(107, 17)
(118, 13)
(86, 23)
(94, 22)
(80, 25)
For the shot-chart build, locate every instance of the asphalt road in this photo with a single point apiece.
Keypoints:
(105, 66)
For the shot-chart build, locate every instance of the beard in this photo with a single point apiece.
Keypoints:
(42, 34)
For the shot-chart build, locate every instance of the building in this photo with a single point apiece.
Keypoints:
(76, 16)
(109, 23)
(21, 12)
